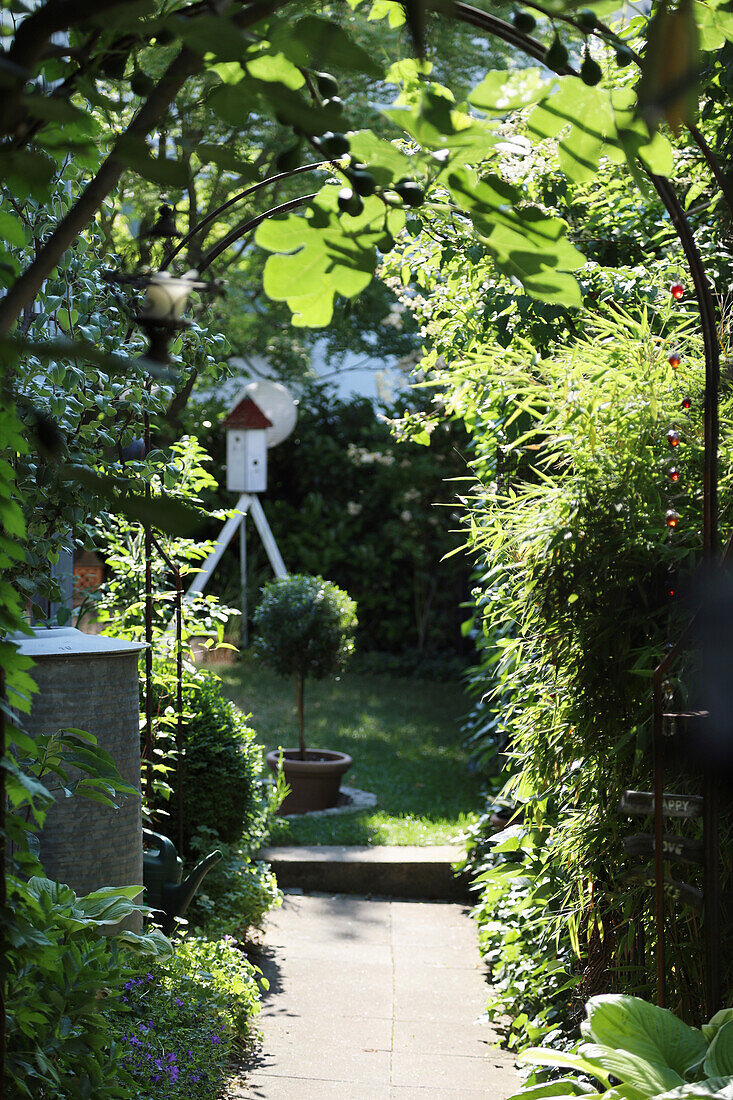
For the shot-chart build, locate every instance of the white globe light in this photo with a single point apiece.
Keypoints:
(277, 404)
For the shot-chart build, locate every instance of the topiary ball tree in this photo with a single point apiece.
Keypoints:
(305, 627)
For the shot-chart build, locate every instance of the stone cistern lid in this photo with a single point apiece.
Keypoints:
(67, 641)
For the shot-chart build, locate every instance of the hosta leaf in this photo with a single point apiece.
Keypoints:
(634, 1071)
(720, 1087)
(566, 1086)
(655, 1034)
(711, 1029)
(719, 1059)
(544, 1056)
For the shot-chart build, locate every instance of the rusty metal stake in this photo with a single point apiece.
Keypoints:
(148, 633)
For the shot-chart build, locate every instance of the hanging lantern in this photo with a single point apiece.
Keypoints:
(677, 290)
(674, 473)
(673, 437)
(671, 518)
(674, 360)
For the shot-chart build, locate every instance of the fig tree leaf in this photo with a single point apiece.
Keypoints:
(501, 91)
(321, 254)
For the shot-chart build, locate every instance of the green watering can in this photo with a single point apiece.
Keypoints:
(162, 874)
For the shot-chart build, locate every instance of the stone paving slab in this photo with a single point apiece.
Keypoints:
(410, 871)
(369, 1022)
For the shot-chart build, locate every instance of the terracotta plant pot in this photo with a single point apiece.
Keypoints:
(314, 782)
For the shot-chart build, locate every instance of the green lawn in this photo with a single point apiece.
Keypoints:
(404, 739)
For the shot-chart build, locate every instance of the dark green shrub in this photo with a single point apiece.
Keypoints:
(305, 627)
(221, 762)
(348, 500)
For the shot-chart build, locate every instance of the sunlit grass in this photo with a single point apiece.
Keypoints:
(403, 735)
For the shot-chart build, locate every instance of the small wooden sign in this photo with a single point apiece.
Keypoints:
(682, 890)
(673, 805)
(680, 849)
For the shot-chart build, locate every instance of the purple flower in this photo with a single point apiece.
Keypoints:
(178, 1001)
(215, 1039)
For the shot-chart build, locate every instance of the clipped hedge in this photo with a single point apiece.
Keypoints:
(221, 763)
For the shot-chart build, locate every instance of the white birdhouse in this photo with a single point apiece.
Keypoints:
(246, 427)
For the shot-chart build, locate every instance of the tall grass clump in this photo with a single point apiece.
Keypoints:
(574, 567)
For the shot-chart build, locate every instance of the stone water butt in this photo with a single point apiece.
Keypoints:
(90, 682)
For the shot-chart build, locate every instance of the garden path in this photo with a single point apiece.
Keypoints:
(374, 1000)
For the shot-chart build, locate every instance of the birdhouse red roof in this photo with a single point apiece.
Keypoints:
(246, 414)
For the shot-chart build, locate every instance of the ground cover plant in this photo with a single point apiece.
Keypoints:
(177, 1024)
(404, 737)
